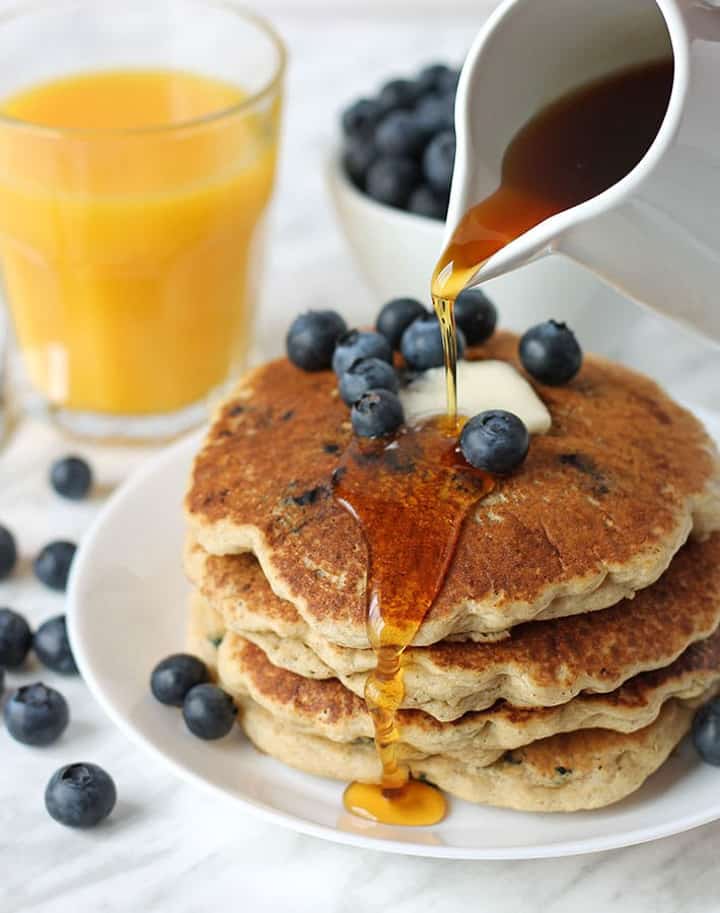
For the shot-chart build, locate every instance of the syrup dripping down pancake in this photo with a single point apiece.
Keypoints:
(597, 511)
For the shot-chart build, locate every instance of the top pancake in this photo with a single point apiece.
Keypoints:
(596, 512)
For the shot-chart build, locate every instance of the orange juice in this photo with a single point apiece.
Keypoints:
(129, 228)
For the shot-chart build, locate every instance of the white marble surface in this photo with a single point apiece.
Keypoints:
(168, 847)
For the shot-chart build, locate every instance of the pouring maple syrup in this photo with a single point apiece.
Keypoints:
(569, 152)
(411, 494)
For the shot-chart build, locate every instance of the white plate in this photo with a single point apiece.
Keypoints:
(127, 609)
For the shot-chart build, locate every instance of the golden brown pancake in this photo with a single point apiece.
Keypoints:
(574, 769)
(597, 511)
(539, 664)
(590, 768)
(326, 708)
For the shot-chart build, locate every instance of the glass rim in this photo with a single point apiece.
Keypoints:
(267, 89)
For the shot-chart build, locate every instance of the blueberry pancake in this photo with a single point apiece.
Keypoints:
(597, 511)
(593, 750)
(540, 664)
(578, 625)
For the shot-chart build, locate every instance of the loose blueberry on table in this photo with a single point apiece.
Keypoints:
(8, 552)
(399, 147)
(52, 565)
(52, 646)
(80, 795)
(71, 477)
(15, 638)
(36, 715)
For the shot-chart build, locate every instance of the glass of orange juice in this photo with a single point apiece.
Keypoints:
(138, 143)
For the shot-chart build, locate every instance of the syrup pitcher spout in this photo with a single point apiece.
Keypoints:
(654, 234)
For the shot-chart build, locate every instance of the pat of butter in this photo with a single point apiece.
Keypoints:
(482, 385)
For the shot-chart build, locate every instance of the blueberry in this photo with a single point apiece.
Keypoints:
(311, 339)
(550, 353)
(424, 201)
(436, 76)
(359, 344)
(476, 315)
(36, 714)
(15, 639)
(80, 795)
(377, 413)
(398, 93)
(448, 81)
(396, 316)
(496, 441)
(421, 344)
(52, 646)
(706, 732)
(174, 676)
(439, 160)
(401, 133)
(52, 565)
(392, 180)
(364, 375)
(8, 552)
(209, 712)
(71, 477)
(358, 156)
(361, 117)
(436, 112)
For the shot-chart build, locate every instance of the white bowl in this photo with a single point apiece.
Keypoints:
(396, 252)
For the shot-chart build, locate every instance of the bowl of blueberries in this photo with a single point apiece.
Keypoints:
(389, 178)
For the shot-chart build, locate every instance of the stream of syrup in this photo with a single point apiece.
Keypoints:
(410, 496)
(411, 493)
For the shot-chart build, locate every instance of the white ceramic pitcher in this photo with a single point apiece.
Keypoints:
(654, 235)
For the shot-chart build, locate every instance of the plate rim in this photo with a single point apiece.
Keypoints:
(183, 449)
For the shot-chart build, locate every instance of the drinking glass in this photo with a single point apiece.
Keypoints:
(131, 254)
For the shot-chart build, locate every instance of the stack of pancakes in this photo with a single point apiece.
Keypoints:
(575, 634)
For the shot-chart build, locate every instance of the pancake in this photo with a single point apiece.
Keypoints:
(541, 664)
(587, 769)
(205, 632)
(327, 709)
(596, 512)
